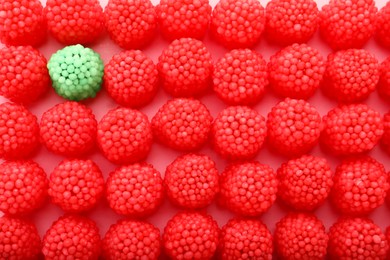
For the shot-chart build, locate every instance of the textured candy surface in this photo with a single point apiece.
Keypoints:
(384, 80)
(386, 134)
(382, 33)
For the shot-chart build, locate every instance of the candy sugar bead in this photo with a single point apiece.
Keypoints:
(76, 72)
(386, 135)
(382, 34)
(384, 80)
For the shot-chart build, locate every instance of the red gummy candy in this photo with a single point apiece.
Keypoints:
(382, 34)
(386, 135)
(384, 80)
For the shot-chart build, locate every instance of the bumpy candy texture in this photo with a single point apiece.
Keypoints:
(248, 189)
(240, 77)
(294, 127)
(73, 22)
(135, 190)
(360, 186)
(356, 238)
(185, 68)
(348, 24)
(384, 80)
(19, 239)
(183, 18)
(76, 72)
(293, 21)
(191, 235)
(238, 133)
(68, 129)
(23, 74)
(76, 185)
(305, 182)
(182, 124)
(237, 23)
(296, 71)
(351, 75)
(131, 239)
(131, 78)
(382, 34)
(130, 23)
(386, 134)
(124, 136)
(300, 236)
(72, 237)
(19, 132)
(245, 239)
(22, 22)
(191, 181)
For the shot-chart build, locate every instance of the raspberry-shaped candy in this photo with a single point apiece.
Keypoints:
(245, 239)
(124, 135)
(73, 22)
(22, 22)
(19, 239)
(191, 181)
(185, 68)
(248, 189)
(72, 237)
(76, 185)
(294, 127)
(360, 186)
(386, 134)
(131, 78)
(351, 129)
(182, 124)
(135, 190)
(240, 77)
(23, 74)
(301, 236)
(130, 23)
(356, 238)
(296, 71)
(293, 21)
(238, 133)
(382, 33)
(76, 72)
(351, 75)
(183, 18)
(191, 235)
(238, 23)
(132, 239)
(68, 129)
(19, 132)
(23, 187)
(305, 182)
(384, 80)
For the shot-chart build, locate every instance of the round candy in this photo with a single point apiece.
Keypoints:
(384, 80)
(382, 33)
(76, 72)
(386, 134)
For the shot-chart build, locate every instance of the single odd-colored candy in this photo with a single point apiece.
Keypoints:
(360, 186)
(356, 238)
(386, 134)
(191, 181)
(191, 235)
(74, 22)
(348, 24)
(351, 129)
(72, 237)
(382, 34)
(23, 187)
(130, 23)
(300, 236)
(237, 23)
(296, 71)
(132, 239)
(19, 135)
(23, 74)
(238, 133)
(384, 80)
(19, 239)
(305, 182)
(240, 77)
(124, 136)
(76, 185)
(248, 189)
(68, 129)
(183, 18)
(245, 239)
(76, 72)
(351, 75)
(131, 78)
(289, 22)
(22, 22)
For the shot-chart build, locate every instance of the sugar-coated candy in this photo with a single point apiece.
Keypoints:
(386, 134)
(382, 33)
(384, 80)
